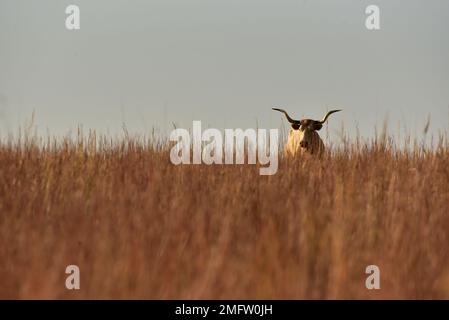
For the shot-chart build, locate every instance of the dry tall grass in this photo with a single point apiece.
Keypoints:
(140, 227)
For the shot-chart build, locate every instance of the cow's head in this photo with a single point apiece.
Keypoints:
(307, 127)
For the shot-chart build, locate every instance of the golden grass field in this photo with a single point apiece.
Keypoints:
(139, 227)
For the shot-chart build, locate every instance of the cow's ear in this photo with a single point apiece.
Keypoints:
(317, 126)
(295, 126)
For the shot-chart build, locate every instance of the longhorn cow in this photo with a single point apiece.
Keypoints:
(303, 136)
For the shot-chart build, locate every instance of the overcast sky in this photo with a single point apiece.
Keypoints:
(149, 63)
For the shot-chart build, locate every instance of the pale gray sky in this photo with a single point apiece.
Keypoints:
(226, 62)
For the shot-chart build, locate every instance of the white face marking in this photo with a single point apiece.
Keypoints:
(303, 140)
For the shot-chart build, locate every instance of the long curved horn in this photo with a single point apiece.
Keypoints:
(292, 121)
(327, 115)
